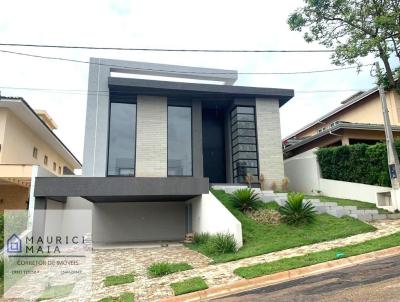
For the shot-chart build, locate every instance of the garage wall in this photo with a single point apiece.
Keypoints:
(138, 221)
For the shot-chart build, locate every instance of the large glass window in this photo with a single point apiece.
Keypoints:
(122, 140)
(179, 141)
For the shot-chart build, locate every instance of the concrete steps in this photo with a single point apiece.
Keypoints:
(332, 208)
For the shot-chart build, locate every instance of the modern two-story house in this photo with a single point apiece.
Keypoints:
(153, 147)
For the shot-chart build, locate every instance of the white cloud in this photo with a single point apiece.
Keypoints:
(163, 24)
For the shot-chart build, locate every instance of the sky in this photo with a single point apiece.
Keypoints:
(181, 24)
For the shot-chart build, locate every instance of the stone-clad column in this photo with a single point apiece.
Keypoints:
(151, 142)
(269, 140)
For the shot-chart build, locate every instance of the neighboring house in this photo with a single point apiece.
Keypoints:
(27, 140)
(358, 120)
(153, 147)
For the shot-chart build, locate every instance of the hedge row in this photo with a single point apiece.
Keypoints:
(360, 163)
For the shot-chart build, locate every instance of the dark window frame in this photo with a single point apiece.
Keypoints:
(121, 101)
(191, 137)
(254, 114)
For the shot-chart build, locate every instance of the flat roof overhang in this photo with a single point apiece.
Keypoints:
(195, 90)
(121, 189)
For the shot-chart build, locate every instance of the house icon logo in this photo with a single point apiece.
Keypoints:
(14, 244)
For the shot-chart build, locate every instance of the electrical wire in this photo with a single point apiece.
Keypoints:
(170, 49)
(179, 72)
(91, 92)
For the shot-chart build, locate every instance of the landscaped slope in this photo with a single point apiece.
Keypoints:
(261, 239)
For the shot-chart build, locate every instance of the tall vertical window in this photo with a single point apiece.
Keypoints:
(179, 141)
(122, 140)
(244, 144)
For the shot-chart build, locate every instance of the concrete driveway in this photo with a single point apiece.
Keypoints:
(369, 282)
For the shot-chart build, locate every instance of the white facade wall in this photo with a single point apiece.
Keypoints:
(209, 215)
(151, 142)
(269, 140)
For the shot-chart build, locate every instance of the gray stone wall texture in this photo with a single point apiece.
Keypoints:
(151, 142)
(269, 140)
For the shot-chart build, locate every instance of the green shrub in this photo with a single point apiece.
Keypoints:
(295, 211)
(221, 243)
(245, 199)
(359, 163)
(201, 238)
(159, 269)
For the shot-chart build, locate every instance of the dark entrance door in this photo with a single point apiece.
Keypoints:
(214, 145)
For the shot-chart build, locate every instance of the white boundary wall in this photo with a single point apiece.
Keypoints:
(303, 172)
(304, 176)
(351, 190)
(209, 215)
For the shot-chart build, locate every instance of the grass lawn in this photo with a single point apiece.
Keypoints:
(119, 279)
(158, 269)
(188, 286)
(318, 257)
(348, 202)
(125, 297)
(260, 239)
(56, 292)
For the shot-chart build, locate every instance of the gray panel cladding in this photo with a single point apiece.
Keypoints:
(96, 128)
(171, 89)
(120, 186)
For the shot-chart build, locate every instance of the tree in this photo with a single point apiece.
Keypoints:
(354, 29)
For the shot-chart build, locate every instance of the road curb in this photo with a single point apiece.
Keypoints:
(244, 285)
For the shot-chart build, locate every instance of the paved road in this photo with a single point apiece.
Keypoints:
(374, 281)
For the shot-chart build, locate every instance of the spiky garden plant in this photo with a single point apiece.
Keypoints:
(296, 211)
(245, 199)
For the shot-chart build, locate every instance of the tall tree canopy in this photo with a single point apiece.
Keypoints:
(354, 29)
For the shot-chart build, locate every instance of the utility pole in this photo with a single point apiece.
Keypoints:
(393, 159)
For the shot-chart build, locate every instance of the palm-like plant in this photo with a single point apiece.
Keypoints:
(296, 211)
(245, 199)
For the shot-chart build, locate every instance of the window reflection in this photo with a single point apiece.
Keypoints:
(179, 141)
(122, 141)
